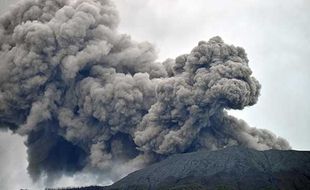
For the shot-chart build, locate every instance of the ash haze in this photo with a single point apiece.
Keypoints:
(275, 35)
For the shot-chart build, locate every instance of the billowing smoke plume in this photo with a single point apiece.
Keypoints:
(88, 98)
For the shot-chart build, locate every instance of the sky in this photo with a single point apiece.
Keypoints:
(274, 33)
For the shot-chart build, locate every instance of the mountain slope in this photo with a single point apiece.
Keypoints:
(230, 168)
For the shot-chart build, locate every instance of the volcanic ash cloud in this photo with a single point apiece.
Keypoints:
(89, 98)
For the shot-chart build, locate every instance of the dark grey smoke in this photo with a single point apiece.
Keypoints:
(91, 99)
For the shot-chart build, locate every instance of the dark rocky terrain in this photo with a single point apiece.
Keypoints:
(234, 168)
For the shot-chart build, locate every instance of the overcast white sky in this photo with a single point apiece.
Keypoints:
(274, 33)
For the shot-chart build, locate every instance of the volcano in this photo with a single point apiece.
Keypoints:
(231, 168)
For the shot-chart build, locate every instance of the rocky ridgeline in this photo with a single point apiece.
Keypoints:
(232, 168)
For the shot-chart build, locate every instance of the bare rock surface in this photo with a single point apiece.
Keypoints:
(230, 168)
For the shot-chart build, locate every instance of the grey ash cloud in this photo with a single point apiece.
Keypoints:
(90, 99)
